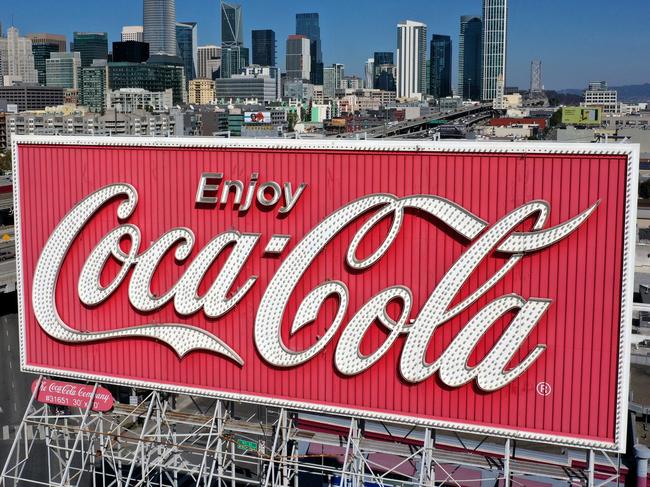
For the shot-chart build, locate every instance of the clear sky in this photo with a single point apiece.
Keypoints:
(577, 40)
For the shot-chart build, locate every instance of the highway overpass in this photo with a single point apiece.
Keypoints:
(421, 126)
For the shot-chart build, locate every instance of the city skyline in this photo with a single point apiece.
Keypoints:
(529, 33)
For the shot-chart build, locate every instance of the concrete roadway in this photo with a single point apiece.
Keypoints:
(7, 262)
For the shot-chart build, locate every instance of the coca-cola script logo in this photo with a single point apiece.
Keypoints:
(485, 238)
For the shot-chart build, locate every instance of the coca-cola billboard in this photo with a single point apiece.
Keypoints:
(472, 286)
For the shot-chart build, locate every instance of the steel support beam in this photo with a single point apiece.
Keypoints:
(506, 463)
(165, 442)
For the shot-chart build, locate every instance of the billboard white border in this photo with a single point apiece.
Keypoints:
(631, 151)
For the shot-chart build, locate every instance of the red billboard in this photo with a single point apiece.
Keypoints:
(471, 286)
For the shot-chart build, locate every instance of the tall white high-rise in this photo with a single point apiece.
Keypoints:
(495, 34)
(298, 60)
(160, 26)
(4, 59)
(536, 76)
(133, 33)
(411, 59)
(369, 73)
(17, 59)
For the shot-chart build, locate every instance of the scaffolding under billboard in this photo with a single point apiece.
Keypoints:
(174, 440)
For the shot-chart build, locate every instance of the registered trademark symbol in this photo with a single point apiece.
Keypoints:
(543, 389)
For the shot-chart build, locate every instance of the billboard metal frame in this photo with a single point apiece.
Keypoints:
(153, 442)
(631, 152)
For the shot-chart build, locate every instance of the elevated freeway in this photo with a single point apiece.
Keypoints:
(6, 194)
(419, 127)
(456, 129)
(7, 260)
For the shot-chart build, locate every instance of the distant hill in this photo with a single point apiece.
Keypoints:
(626, 93)
(570, 91)
(556, 98)
(634, 93)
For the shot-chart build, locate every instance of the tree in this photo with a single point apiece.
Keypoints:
(5, 161)
(292, 118)
(644, 189)
(556, 118)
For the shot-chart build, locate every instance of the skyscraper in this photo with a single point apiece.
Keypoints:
(149, 76)
(263, 47)
(63, 70)
(17, 59)
(208, 62)
(232, 25)
(308, 25)
(234, 56)
(159, 19)
(440, 68)
(298, 60)
(186, 38)
(91, 46)
(41, 53)
(329, 86)
(411, 59)
(495, 33)
(233, 60)
(386, 75)
(536, 86)
(93, 86)
(384, 65)
(42, 46)
(332, 80)
(132, 33)
(57, 40)
(201, 92)
(369, 73)
(130, 52)
(469, 57)
(384, 58)
(339, 74)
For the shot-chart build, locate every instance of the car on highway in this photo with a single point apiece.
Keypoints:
(6, 254)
